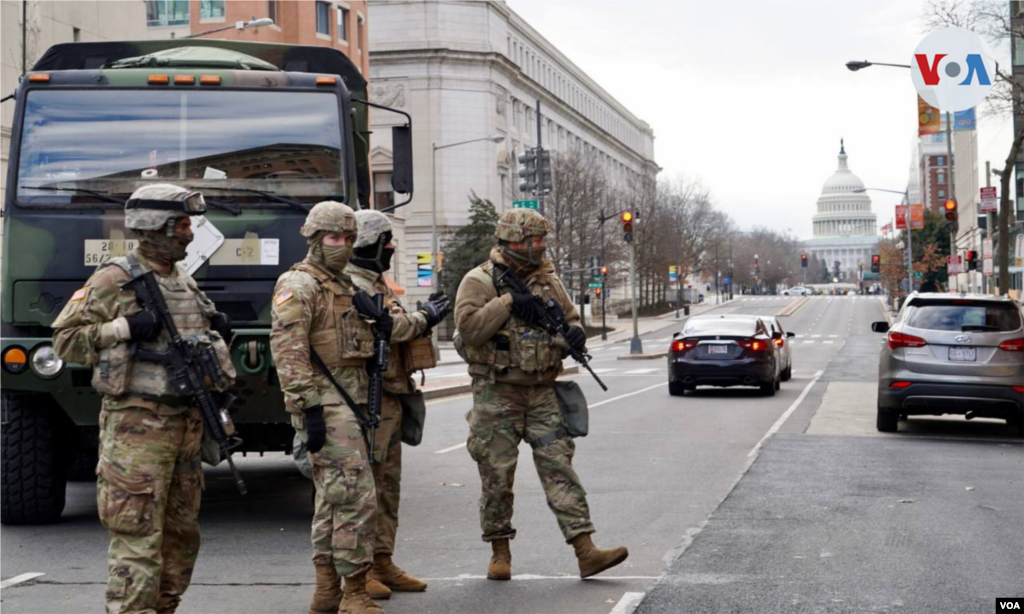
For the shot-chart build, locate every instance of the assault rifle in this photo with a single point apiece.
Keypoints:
(375, 395)
(553, 321)
(192, 369)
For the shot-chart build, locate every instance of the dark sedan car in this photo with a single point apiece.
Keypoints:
(725, 350)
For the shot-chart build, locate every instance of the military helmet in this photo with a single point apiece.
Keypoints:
(372, 224)
(152, 206)
(516, 225)
(329, 216)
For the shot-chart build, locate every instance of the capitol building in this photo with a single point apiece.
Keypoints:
(845, 228)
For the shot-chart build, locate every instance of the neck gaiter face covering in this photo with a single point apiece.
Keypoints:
(375, 257)
(524, 262)
(333, 258)
(156, 246)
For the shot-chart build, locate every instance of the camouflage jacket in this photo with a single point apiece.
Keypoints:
(313, 307)
(498, 345)
(408, 326)
(94, 319)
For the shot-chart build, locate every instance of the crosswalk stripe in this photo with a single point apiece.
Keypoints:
(815, 336)
(640, 371)
(806, 341)
(833, 336)
(829, 342)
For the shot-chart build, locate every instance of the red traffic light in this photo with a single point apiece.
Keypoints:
(876, 259)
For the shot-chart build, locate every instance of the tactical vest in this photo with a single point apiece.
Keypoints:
(118, 372)
(516, 345)
(342, 339)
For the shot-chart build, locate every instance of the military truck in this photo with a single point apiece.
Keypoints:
(264, 131)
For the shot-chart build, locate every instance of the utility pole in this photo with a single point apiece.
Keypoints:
(953, 251)
(635, 345)
(540, 187)
(990, 222)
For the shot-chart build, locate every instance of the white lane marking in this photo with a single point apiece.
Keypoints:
(451, 448)
(25, 577)
(785, 416)
(833, 336)
(447, 375)
(815, 336)
(628, 394)
(600, 371)
(808, 341)
(640, 371)
(527, 576)
(628, 603)
(828, 342)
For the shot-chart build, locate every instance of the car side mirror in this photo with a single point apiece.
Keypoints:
(880, 327)
(790, 335)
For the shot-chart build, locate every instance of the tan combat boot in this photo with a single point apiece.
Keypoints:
(594, 560)
(375, 589)
(500, 567)
(391, 576)
(327, 595)
(356, 600)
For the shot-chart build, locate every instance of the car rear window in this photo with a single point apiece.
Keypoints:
(958, 315)
(719, 327)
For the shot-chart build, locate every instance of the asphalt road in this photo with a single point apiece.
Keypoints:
(655, 467)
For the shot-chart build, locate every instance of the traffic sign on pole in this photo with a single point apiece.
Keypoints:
(595, 284)
(989, 200)
(524, 204)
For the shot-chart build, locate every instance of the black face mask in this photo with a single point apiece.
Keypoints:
(375, 257)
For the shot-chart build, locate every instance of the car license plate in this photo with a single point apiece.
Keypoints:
(963, 354)
(718, 349)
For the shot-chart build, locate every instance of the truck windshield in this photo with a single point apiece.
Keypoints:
(114, 141)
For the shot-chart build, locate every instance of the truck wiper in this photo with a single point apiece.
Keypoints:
(107, 198)
(233, 209)
(265, 194)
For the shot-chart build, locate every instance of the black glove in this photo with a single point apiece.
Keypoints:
(435, 309)
(576, 337)
(221, 323)
(527, 308)
(316, 428)
(384, 325)
(144, 326)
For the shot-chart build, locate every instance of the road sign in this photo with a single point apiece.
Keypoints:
(918, 274)
(989, 200)
(595, 284)
(726, 280)
(954, 264)
(524, 204)
(986, 266)
(673, 275)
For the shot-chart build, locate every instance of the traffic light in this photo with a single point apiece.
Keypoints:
(597, 291)
(950, 208)
(544, 170)
(604, 272)
(803, 261)
(627, 226)
(528, 171)
(876, 263)
(972, 260)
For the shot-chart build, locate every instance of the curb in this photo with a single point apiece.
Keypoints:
(457, 389)
(793, 307)
(643, 356)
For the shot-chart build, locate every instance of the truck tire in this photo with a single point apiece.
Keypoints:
(33, 479)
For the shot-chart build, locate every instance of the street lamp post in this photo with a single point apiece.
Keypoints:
(494, 138)
(239, 25)
(910, 230)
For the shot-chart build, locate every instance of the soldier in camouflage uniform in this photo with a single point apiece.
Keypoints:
(371, 257)
(150, 476)
(514, 364)
(316, 308)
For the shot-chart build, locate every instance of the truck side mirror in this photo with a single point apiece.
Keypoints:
(401, 151)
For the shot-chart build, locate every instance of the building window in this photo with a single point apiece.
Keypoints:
(942, 193)
(167, 13)
(209, 9)
(272, 11)
(342, 23)
(941, 178)
(323, 25)
(940, 161)
(383, 192)
(360, 33)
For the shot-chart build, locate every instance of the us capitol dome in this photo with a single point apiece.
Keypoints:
(845, 228)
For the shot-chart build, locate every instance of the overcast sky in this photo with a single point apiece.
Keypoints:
(751, 98)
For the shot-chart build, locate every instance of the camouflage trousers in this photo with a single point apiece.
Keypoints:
(503, 415)
(149, 487)
(345, 509)
(387, 473)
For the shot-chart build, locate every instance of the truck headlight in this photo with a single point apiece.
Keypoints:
(45, 362)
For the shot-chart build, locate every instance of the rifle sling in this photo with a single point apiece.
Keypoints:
(356, 408)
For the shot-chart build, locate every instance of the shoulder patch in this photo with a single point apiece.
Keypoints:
(79, 294)
(284, 296)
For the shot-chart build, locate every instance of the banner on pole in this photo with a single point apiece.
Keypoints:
(901, 217)
(424, 270)
(929, 120)
(917, 216)
(673, 274)
(989, 200)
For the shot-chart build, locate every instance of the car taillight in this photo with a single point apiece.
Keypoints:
(899, 340)
(683, 345)
(780, 342)
(754, 345)
(1019, 389)
(1013, 345)
(899, 384)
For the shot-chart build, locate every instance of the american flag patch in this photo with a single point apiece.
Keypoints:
(283, 297)
(79, 294)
